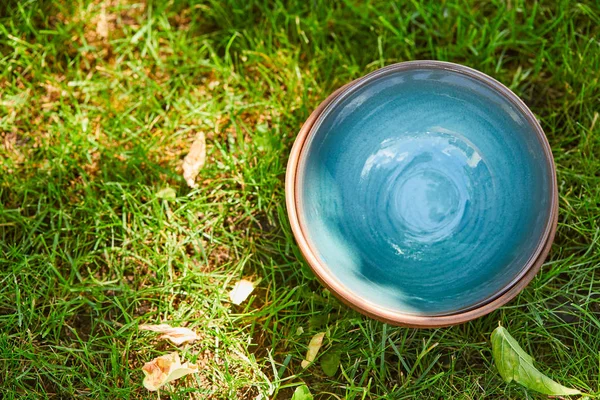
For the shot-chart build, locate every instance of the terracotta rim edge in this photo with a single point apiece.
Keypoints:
(527, 273)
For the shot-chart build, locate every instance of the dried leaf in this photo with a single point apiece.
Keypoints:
(514, 364)
(302, 393)
(165, 369)
(193, 162)
(102, 25)
(313, 349)
(241, 291)
(178, 335)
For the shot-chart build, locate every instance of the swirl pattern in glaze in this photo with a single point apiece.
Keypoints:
(424, 191)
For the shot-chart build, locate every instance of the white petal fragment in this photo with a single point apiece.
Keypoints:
(241, 291)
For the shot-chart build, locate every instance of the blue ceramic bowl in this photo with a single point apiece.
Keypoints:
(423, 190)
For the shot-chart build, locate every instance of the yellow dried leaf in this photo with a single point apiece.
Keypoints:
(165, 369)
(194, 161)
(241, 291)
(177, 335)
(313, 349)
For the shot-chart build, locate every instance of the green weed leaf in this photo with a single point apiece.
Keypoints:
(514, 364)
(330, 362)
(317, 321)
(302, 393)
(167, 194)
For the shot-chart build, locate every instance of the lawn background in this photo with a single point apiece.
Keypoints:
(99, 103)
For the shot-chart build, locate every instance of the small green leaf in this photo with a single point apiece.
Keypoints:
(167, 194)
(330, 362)
(302, 393)
(514, 364)
(317, 321)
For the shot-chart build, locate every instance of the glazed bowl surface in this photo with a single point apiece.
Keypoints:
(421, 191)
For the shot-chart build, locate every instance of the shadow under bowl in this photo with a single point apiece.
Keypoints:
(423, 194)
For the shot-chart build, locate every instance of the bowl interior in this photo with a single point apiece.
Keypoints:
(424, 190)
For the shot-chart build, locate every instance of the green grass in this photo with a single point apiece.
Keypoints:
(91, 127)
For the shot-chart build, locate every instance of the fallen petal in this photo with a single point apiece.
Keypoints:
(313, 349)
(241, 291)
(183, 370)
(165, 369)
(193, 162)
(177, 335)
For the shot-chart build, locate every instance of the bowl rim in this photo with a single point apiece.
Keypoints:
(355, 301)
